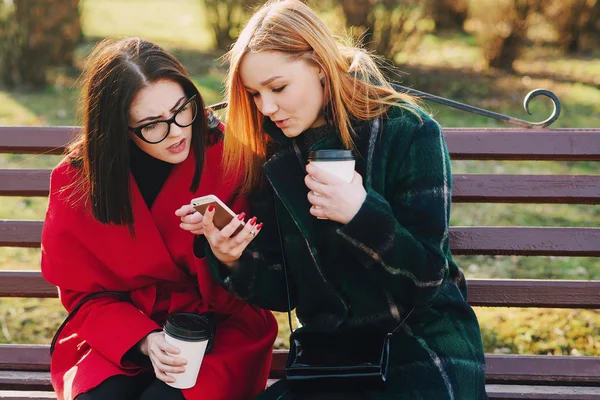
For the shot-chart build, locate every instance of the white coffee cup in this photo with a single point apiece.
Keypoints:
(340, 163)
(190, 333)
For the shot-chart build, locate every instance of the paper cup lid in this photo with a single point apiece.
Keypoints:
(188, 326)
(331, 155)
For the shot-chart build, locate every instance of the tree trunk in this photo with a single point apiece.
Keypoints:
(449, 15)
(34, 35)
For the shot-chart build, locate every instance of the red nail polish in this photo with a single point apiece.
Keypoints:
(252, 221)
(259, 226)
(210, 208)
(241, 216)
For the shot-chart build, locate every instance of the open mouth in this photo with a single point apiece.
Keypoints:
(282, 123)
(177, 147)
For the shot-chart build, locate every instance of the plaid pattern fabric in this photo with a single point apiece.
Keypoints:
(393, 255)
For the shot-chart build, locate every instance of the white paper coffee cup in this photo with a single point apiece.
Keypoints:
(340, 163)
(190, 333)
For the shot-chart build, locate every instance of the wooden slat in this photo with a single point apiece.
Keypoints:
(563, 189)
(25, 357)
(574, 242)
(494, 392)
(25, 380)
(526, 241)
(510, 392)
(500, 369)
(24, 182)
(482, 292)
(463, 143)
(467, 188)
(35, 139)
(26, 395)
(523, 144)
(534, 293)
(528, 369)
(517, 369)
(20, 233)
(25, 284)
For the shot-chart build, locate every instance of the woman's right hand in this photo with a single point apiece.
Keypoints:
(226, 248)
(155, 347)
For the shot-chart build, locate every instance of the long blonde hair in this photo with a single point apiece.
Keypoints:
(354, 86)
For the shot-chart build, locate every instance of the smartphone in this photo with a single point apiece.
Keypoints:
(223, 214)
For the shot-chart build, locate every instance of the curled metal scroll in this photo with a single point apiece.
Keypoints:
(490, 114)
(476, 110)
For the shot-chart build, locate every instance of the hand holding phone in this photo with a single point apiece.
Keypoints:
(227, 240)
(223, 214)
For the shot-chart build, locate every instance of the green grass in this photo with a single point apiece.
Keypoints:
(172, 23)
(450, 66)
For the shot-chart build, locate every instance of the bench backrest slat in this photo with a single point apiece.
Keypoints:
(463, 143)
(466, 188)
(24, 182)
(575, 242)
(482, 292)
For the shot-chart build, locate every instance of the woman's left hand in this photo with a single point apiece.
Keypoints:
(331, 197)
(191, 220)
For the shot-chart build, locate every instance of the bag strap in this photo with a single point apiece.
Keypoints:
(78, 306)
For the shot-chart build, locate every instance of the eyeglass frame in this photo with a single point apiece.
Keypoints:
(138, 130)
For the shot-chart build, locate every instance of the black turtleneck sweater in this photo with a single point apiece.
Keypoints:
(149, 173)
(311, 136)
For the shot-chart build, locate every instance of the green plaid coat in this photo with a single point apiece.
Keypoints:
(392, 256)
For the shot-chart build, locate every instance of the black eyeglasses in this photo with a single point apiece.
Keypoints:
(157, 131)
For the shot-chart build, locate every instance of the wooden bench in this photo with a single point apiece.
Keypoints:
(24, 368)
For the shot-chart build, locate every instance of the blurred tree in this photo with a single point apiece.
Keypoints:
(35, 34)
(577, 22)
(448, 14)
(387, 26)
(502, 28)
(227, 18)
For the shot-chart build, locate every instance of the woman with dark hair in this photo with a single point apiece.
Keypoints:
(362, 258)
(113, 225)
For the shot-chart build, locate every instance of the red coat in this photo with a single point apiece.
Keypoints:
(158, 269)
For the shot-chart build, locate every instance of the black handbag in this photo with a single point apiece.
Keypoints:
(324, 361)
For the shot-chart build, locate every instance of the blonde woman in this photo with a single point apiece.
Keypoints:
(359, 255)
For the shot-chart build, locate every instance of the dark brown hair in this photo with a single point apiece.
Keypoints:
(115, 72)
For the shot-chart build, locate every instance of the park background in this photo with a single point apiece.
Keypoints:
(487, 53)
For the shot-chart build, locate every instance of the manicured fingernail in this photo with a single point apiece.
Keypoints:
(252, 221)
(210, 208)
(259, 226)
(241, 216)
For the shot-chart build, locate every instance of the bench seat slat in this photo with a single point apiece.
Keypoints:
(466, 188)
(517, 369)
(501, 369)
(527, 241)
(463, 143)
(26, 395)
(482, 292)
(495, 392)
(29, 380)
(509, 392)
